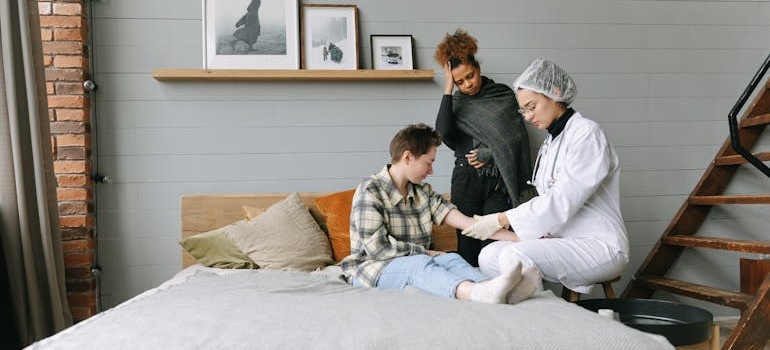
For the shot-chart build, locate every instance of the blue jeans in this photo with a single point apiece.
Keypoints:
(439, 275)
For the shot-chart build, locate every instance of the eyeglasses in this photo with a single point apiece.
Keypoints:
(527, 111)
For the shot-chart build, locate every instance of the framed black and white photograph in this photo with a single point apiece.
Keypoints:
(329, 36)
(251, 34)
(392, 52)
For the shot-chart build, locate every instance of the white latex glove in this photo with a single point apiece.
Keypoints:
(484, 227)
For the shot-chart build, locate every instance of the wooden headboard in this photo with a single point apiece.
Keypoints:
(206, 212)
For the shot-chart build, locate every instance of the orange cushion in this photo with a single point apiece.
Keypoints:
(336, 208)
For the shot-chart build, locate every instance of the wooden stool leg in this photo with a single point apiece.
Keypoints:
(715, 341)
(573, 296)
(608, 291)
(607, 286)
(569, 294)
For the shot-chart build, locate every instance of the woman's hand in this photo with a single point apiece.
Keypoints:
(433, 253)
(449, 80)
(473, 159)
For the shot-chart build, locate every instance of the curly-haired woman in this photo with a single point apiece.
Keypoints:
(480, 122)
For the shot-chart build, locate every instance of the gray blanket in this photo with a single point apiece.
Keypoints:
(260, 309)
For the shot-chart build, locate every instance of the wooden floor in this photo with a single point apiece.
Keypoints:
(725, 327)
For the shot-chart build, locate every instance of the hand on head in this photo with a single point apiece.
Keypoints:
(449, 81)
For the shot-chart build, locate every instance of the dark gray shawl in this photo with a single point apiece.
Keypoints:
(492, 118)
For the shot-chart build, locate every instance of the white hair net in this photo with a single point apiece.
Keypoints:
(547, 78)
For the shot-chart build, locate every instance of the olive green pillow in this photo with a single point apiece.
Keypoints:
(215, 249)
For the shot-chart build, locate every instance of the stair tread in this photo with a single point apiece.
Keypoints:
(694, 212)
(737, 245)
(697, 291)
(738, 159)
(763, 119)
(730, 199)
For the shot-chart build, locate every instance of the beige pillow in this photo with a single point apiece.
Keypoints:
(215, 249)
(250, 212)
(284, 237)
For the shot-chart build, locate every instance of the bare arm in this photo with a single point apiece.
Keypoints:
(460, 221)
(505, 235)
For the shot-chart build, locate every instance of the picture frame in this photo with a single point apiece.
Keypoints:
(392, 52)
(251, 34)
(329, 36)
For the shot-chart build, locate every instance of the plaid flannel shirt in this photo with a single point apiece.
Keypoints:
(384, 225)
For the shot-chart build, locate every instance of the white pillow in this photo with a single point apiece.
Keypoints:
(284, 237)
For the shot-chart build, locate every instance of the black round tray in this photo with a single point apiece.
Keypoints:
(680, 324)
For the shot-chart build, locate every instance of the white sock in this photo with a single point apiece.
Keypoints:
(531, 283)
(494, 291)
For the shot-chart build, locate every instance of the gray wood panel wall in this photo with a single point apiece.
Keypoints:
(660, 76)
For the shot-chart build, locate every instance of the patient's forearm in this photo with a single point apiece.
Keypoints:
(505, 235)
(457, 219)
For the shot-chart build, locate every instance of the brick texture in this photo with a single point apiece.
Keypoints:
(64, 31)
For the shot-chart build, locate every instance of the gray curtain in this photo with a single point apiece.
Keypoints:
(29, 215)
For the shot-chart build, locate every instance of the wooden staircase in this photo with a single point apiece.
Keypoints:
(753, 328)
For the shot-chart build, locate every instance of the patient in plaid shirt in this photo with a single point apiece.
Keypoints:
(390, 230)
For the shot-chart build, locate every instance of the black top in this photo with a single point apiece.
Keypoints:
(558, 125)
(454, 138)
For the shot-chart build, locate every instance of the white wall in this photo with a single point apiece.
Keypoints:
(660, 76)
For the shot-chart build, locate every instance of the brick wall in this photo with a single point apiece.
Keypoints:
(63, 26)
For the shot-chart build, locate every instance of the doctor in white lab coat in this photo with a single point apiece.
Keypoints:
(572, 232)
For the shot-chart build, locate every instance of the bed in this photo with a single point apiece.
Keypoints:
(232, 305)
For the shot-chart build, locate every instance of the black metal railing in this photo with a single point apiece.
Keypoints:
(734, 134)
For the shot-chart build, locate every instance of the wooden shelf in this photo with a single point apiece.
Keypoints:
(290, 75)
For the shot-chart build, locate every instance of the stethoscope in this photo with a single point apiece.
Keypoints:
(543, 149)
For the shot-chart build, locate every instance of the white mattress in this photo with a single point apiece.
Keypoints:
(206, 308)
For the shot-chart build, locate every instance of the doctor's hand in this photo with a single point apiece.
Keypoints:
(484, 227)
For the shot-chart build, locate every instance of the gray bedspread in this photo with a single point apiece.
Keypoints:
(261, 309)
